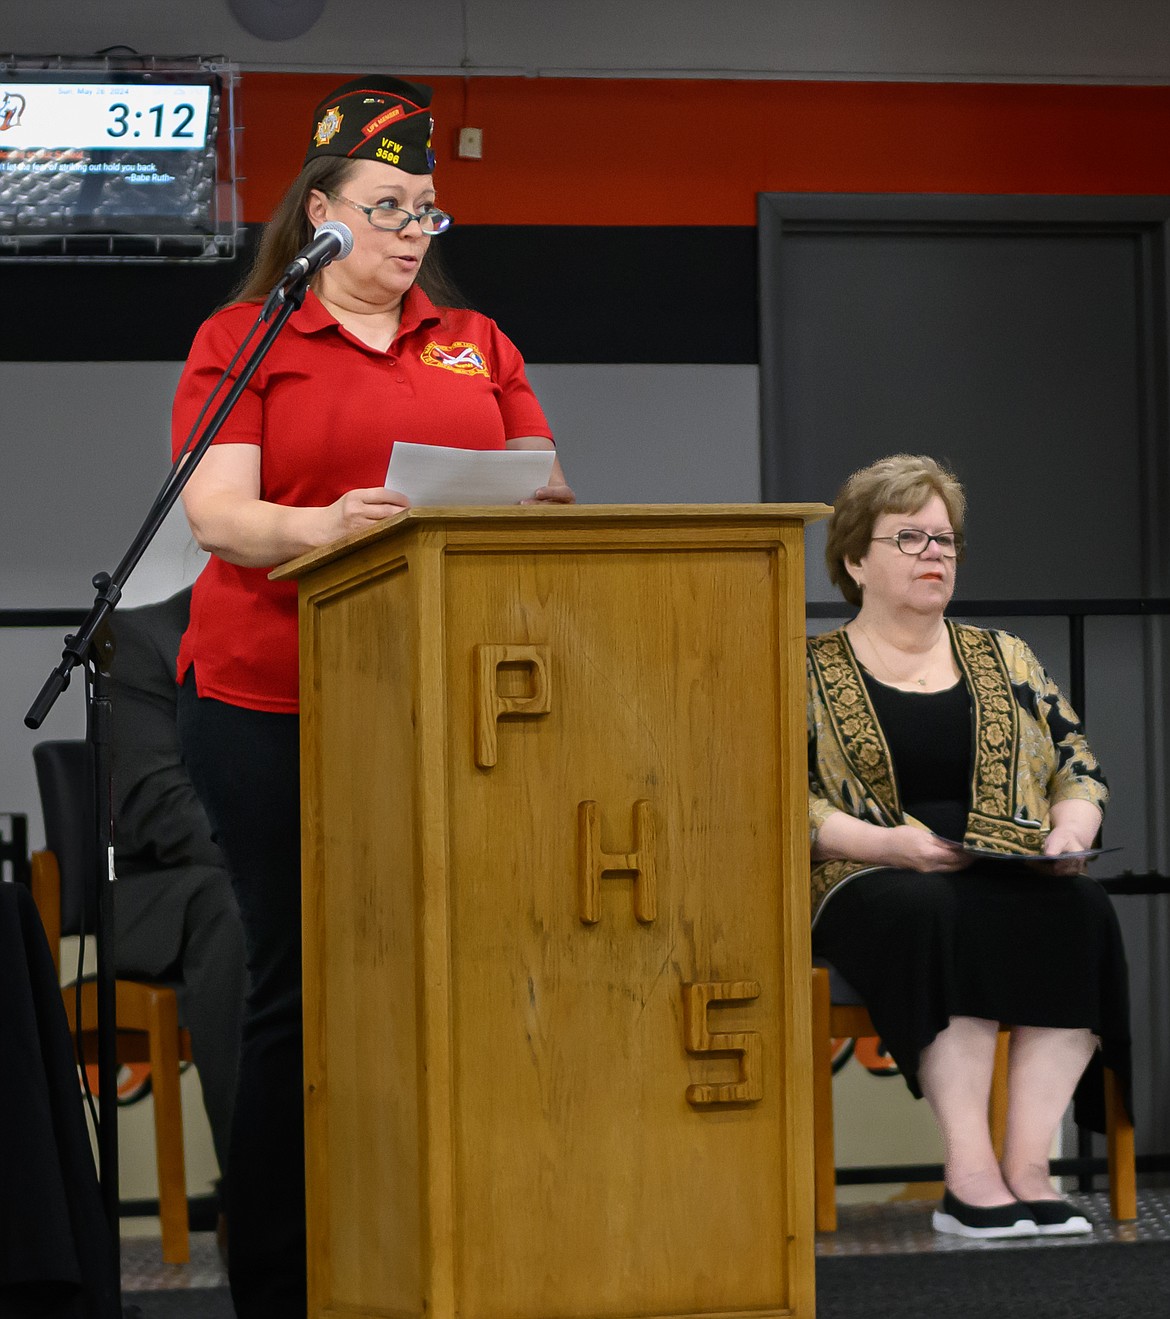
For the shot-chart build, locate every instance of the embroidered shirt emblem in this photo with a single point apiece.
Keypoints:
(465, 359)
(329, 126)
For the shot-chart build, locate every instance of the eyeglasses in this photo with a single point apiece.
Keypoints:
(430, 219)
(910, 540)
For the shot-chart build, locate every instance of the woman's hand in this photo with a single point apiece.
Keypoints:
(910, 848)
(556, 492)
(552, 494)
(1064, 838)
(358, 509)
(1074, 829)
(844, 838)
(229, 519)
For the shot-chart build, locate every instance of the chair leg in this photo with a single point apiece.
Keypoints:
(168, 1128)
(824, 1174)
(1119, 1140)
(997, 1106)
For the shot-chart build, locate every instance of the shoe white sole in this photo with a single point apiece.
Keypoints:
(1074, 1227)
(1023, 1227)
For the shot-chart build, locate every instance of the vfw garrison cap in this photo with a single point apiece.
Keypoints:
(376, 118)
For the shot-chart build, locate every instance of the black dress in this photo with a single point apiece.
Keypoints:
(997, 940)
(58, 1257)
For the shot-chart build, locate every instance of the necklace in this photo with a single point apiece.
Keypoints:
(893, 677)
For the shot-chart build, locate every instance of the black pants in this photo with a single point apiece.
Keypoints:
(183, 925)
(245, 767)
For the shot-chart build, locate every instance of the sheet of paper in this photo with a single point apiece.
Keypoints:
(432, 475)
(1015, 856)
(1041, 856)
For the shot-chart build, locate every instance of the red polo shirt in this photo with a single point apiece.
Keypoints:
(325, 410)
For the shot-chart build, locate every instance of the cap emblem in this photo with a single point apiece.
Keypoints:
(329, 126)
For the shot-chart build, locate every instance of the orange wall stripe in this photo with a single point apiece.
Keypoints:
(561, 151)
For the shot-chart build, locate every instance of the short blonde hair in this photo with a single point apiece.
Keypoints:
(902, 483)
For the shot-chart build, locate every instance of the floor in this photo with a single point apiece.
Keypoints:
(142, 1262)
(901, 1227)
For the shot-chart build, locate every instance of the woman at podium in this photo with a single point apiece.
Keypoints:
(952, 799)
(376, 354)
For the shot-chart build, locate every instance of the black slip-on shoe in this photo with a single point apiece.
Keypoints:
(964, 1220)
(1057, 1218)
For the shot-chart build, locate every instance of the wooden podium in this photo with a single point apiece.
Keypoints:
(557, 1044)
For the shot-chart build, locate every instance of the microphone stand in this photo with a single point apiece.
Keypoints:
(92, 647)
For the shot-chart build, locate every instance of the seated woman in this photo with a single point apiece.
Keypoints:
(926, 739)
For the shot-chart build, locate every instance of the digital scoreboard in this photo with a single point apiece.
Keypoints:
(115, 157)
(91, 116)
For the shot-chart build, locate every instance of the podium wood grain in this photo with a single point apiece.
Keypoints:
(556, 915)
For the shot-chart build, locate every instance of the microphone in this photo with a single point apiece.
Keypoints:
(333, 241)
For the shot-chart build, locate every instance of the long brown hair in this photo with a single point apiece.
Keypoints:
(289, 230)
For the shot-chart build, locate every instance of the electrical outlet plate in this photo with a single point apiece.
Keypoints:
(471, 143)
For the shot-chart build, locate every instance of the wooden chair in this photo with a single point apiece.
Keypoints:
(147, 1014)
(838, 1013)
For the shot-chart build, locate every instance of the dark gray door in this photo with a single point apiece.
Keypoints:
(1021, 338)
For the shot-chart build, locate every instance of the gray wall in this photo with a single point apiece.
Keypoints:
(1090, 40)
(86, 445)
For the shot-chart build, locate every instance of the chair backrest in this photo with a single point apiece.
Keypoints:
(66, 785)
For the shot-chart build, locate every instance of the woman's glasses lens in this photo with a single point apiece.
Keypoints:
(912, 541)
(395, 217)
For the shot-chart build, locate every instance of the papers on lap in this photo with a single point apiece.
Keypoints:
(1088, 853)
(432, 475)
(989, 855)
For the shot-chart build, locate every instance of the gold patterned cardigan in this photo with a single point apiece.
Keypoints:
(1028, 748)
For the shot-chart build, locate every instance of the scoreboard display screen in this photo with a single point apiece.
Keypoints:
(127, 157)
